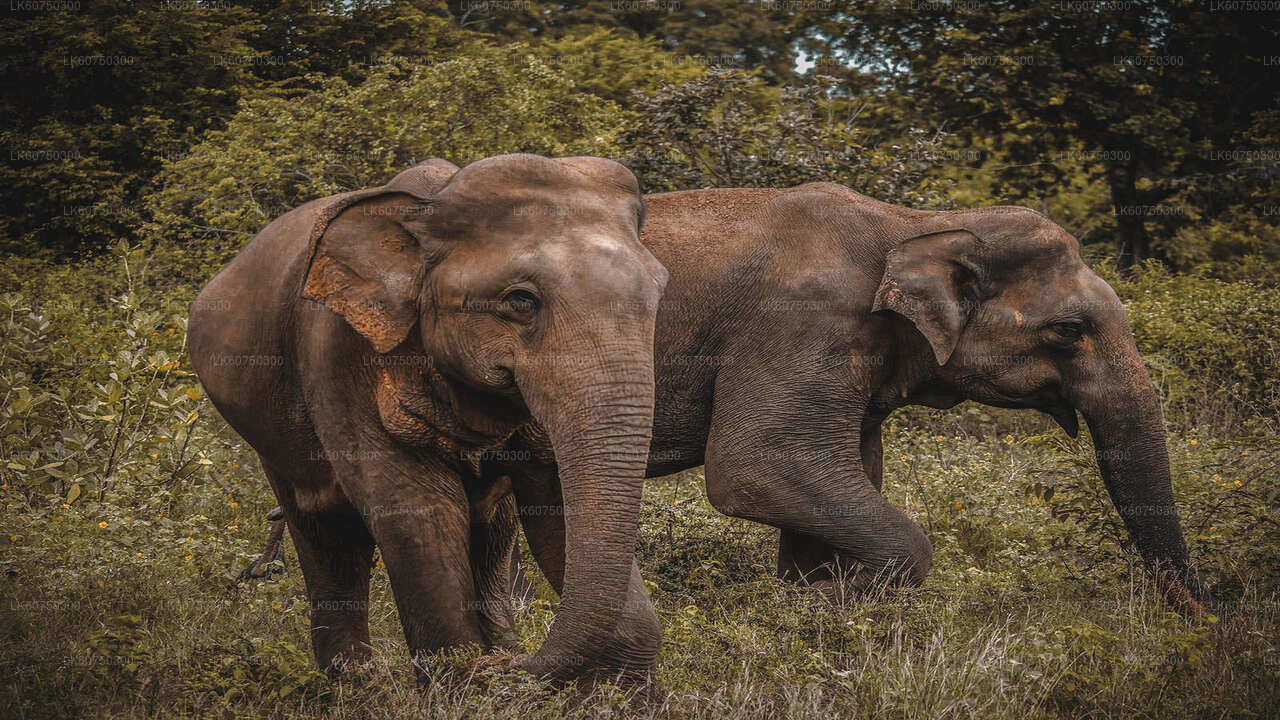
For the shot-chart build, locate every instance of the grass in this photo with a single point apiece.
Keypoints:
(1033, 609)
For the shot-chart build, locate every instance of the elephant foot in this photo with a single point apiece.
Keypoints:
(845, 589)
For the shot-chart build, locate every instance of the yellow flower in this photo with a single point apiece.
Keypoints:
(1238, 483)
(235, 504)
(379, 563)
(139, 554)
(959, 506)
(1194, 442)
(103, 524)
(187, 558)
(65, 506)
(235, 527)
(13, 538)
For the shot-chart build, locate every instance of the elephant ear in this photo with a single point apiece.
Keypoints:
(370, 250)
(934, 281)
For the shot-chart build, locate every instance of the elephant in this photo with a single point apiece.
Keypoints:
(378, 349)
(796, 320)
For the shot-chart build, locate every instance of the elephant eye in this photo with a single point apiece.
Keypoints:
(1069, 330)
(520, 303)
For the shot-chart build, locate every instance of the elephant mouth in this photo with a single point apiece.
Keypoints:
(1048, 401)
(1065, 415)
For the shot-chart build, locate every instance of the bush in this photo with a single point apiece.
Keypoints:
(1213, 347)
(283, 149)
(726, 129)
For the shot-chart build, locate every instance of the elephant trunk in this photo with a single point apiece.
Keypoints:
(600, 427)
(1129, 438)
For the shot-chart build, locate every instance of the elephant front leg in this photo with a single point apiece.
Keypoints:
(810, 560)
(335, 553)
(796, 463)
(420, 517)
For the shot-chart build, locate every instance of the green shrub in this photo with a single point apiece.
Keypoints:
(1213, 347)
(283, 149)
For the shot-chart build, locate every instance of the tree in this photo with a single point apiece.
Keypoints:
(728, 129)
(1159, 94)
(730, 33)
(95, 98)
(98, 98)
(289, 146)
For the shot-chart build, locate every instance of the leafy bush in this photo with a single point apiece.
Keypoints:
(726, 129)
(1212, 346)
(283, 149)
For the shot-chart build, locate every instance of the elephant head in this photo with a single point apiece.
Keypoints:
(523, 280)
(1011, 316)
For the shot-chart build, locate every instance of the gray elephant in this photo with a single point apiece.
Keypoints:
(379, 349)
(797, 319)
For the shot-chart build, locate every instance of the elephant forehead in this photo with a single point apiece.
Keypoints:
(534, 178)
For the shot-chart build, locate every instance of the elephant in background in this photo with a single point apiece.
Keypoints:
(379, 350)
(796, 320)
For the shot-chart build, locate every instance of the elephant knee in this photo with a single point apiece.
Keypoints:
(723, 498)
(913, 562)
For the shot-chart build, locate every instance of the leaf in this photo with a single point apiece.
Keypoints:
(74, 493)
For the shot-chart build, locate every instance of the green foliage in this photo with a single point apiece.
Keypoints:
(1139, 88)
(94, 103)
(99, 97)
(726, 129)
(1213, 347)
(273, 672)
(614, 66)
(88, 414)
(726, 33)
(283, 149)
